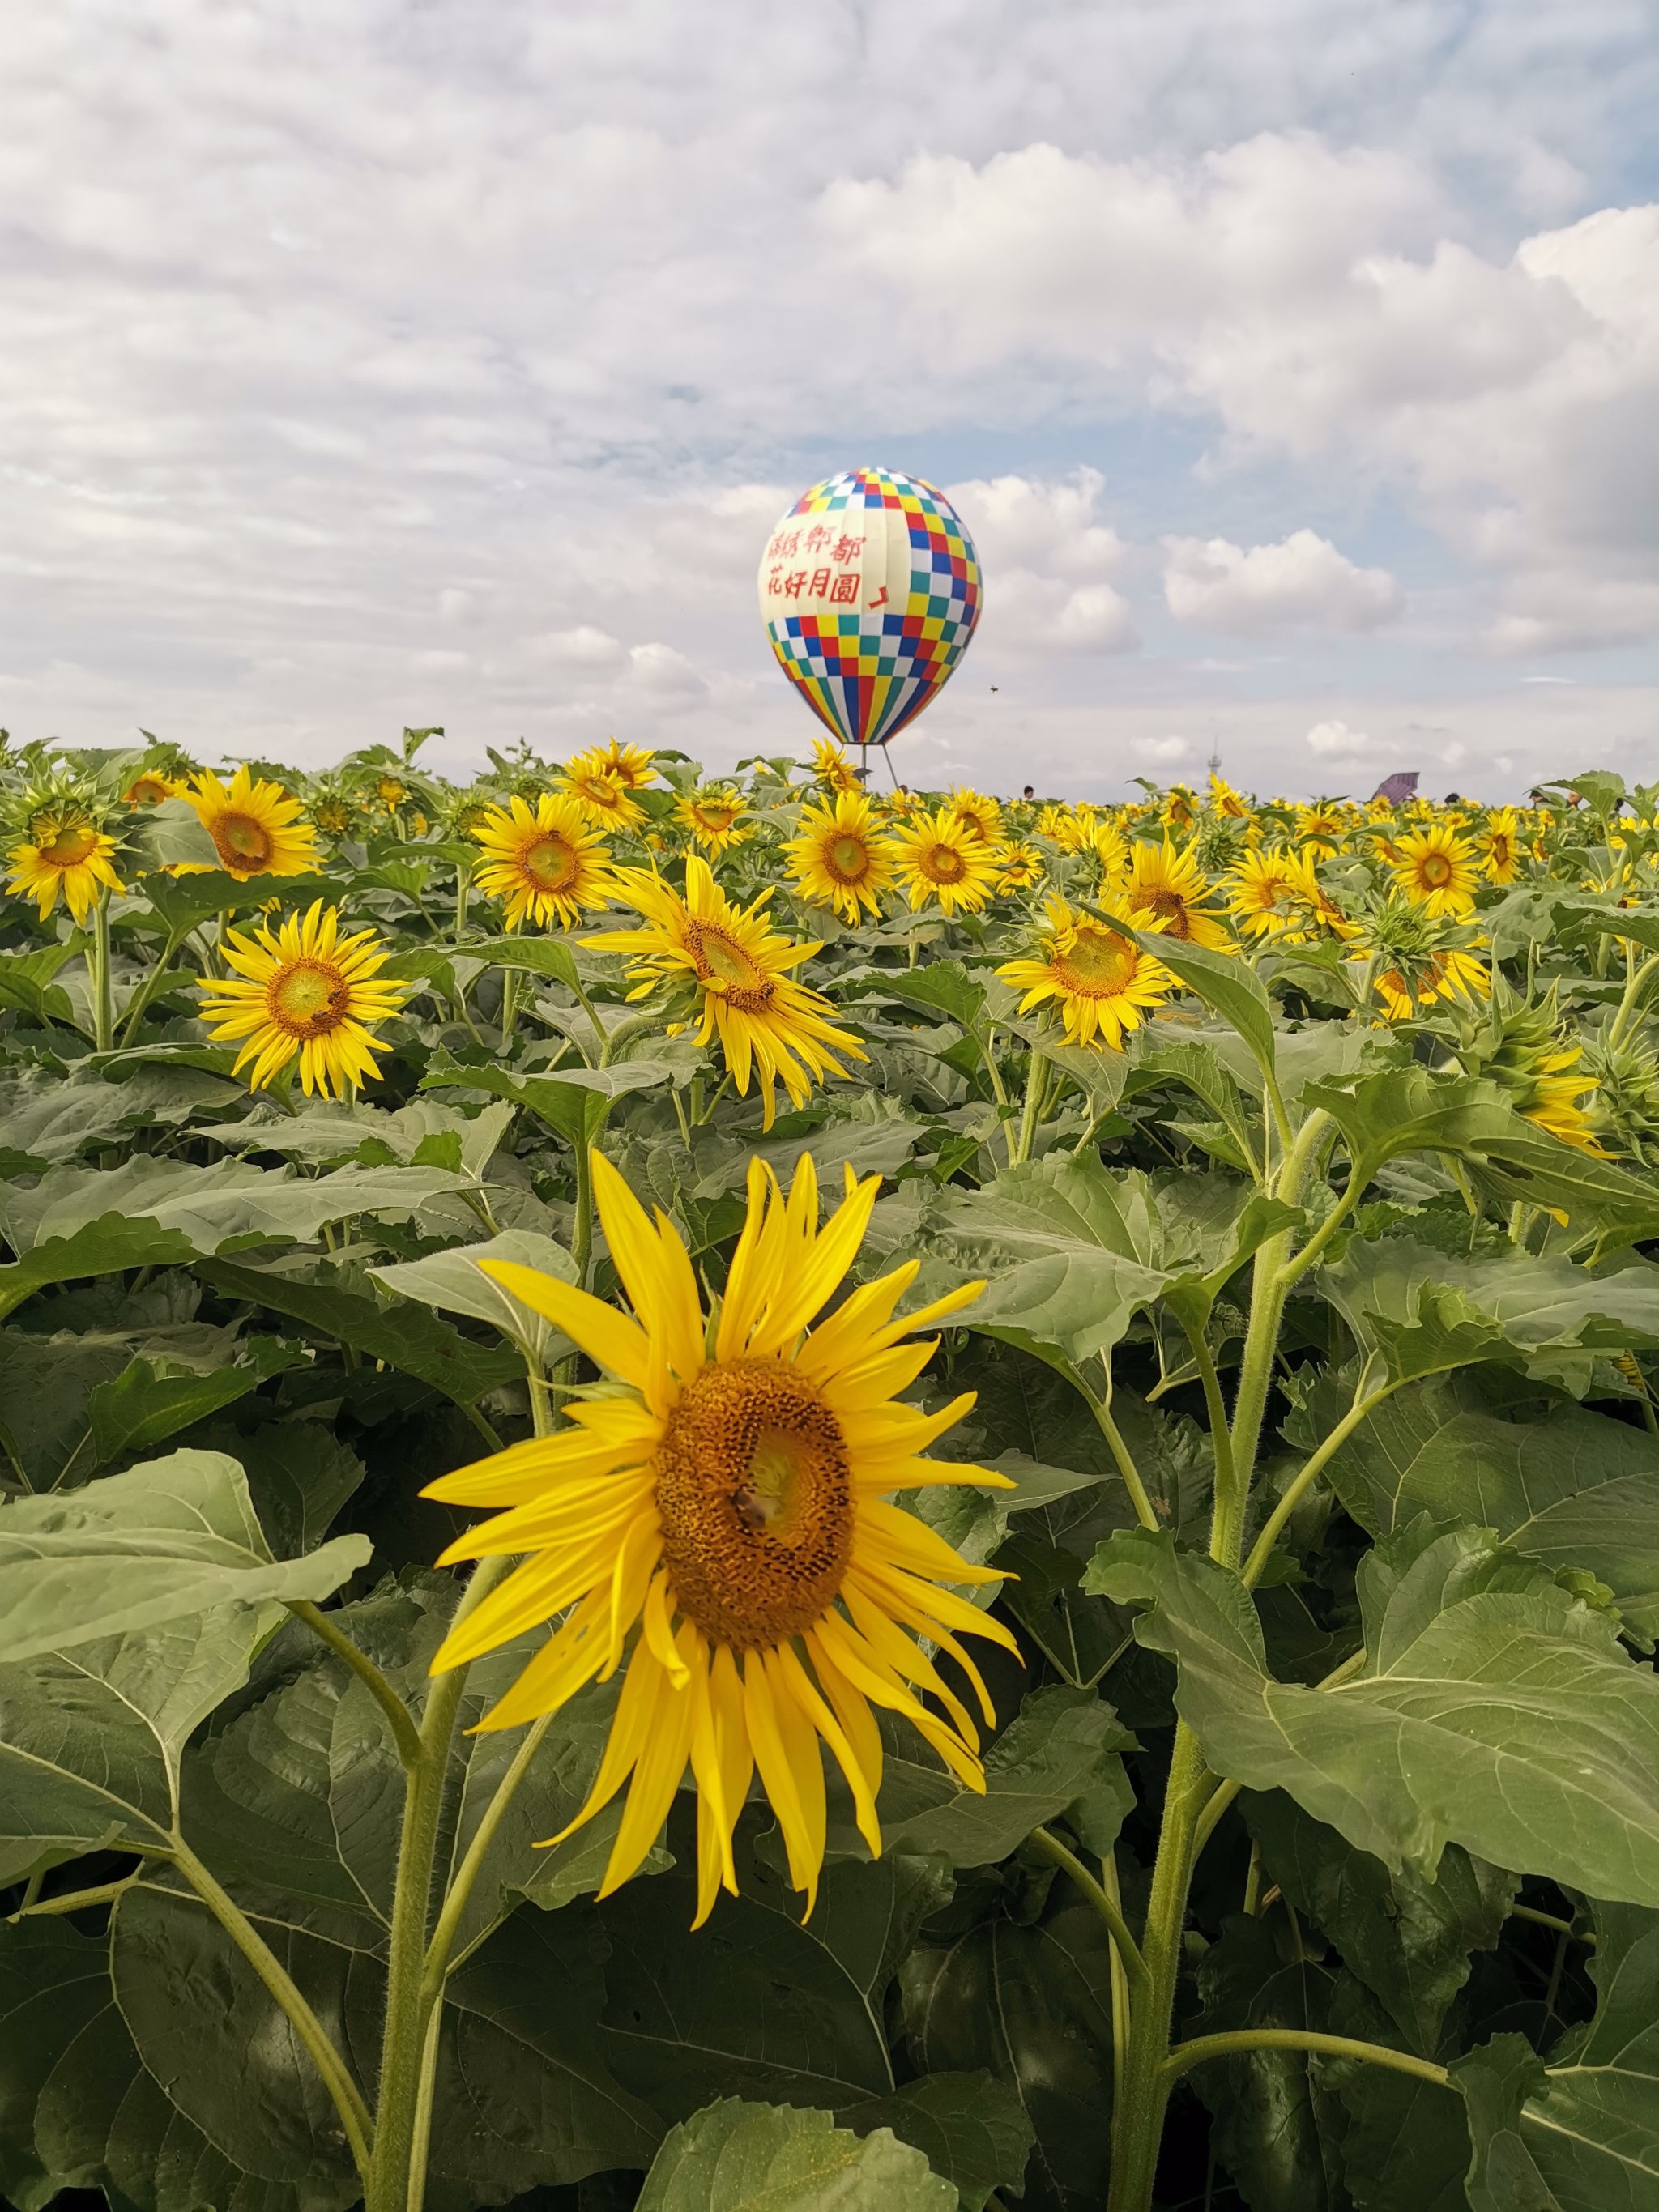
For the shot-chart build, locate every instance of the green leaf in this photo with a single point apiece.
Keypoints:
(1493, 1710)
(161, 1543)
(971, 2128)
(181, 904)
(405, 1337)
(170, 835)
(53, 1121)
(141, 1408)
(575, 1101)
(1030, 2005)
(738, 2157)
(1226, 982)
(454, 1281)
(26, 980)
(1574, 1489)
(1413, 1110)
(1530, 1168)
(942, 987)
(1408, 1940)
(104, 1246)
(539, 955)
(1495, 2082)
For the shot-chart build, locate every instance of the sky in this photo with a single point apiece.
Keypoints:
(1294, 363)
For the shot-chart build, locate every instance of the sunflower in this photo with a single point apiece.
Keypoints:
(1524, 1049)
(1071, 827)
(64, 850)
(1435, 868)
(629, 765)
(1499, 846)
(150, 787)
(1230, 805)
(1169, 887)
(605, 799)
(736, 968)
(716, 817)
(305, 990)
(718, 1526)
(548, 865)
(1449, 974)
(1310, 899)
(1021, 867)
(832, 767)
(331, 813)
(1180, 807)
(1100, 983)
(390, 792)
(1262, 890)
(978, 813)
(1111, 850)
(255, 827)
(838, 860)
(939, 859)
(1319, 830)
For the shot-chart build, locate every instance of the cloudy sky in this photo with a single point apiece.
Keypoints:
(1295, 363)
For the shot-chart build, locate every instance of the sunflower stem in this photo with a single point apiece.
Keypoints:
(1036, 1077)
(99, 980)
(151, 986)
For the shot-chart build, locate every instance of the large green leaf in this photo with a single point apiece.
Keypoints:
(1493, 1710)
(575, 1101)
(405, 1337)
(738, 2157)
(173, 1538)
(322, 1131)
(26, 982)
(1411, 1110)
(1225, 981)
(971, 2128)
(53, 1121)
(103, 1246)
(1030, 2005)
(142, 1408)
(1572, 1489)
(454, 1281)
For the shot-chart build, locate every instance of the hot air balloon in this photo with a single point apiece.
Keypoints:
(870, 589)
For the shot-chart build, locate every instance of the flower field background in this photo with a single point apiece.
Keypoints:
(745, 1493)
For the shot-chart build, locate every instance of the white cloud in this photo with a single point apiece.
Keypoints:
(1162, 751)
(1046, 560)
(585, 646)
(1302, 583)
(1336, 742)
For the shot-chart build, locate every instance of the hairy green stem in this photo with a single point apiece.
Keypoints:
(100, 977)
(153, 984)
(636, 1025)
(1187, 2054)
(404, 1733)
(1036, 1080)
(1146, 1513)
(336, 2078)
(1635, 990)
(1047, 1845)
(1306, 1475)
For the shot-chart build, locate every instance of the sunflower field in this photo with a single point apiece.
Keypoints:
(747, 1495)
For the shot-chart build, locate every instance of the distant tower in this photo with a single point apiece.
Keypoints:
(1214, 762)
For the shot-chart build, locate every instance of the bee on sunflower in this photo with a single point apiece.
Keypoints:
(1169, 887)
(1022, 867)
(64, 851)
(1499, 847)
(837, 859)
(303, 990)
(632, 766)
(939, 859)
(550, 863)
(717, 1527)
(716, 817)
(832, 767)
(256, 829)
(1099, 983)
(733, 968)
(608, 802)
(1435, 868)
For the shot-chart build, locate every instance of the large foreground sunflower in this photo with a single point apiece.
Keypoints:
(1435, 868)
(548, 865)
(1099, 983)
(772, 1030)
(256, 829)
(1169, 887)
(63, 852)
(719, 1523)
(838, 860)
(305, 990)
(940, 858)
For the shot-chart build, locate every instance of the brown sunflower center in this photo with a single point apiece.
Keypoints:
(550, 863)
(147, 791)
(847, 858)
(1165, 905)
(755, 1500)
(721, 961)
(1098, 965)
(716, 818)
(943, 864)
(242, 842)
(308, 998)
(1435, 870)
(75, 842)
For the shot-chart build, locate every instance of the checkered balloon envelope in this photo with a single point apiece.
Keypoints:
(870, 589)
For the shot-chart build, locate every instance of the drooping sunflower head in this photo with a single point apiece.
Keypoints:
(256, 828)
(1022, 867)
(1499, 846)
(727, 967)
(716, 817)
(1311, 904)
(838, 859)
(832, 767)
(548, 863)
(150, 787)
(607, 801)
(1231, 806)
(1435, 868)
(64, 851)
(303, 991)
(1625, 1107)
(941, 860)
(1523, 1046)
(631, 766)
(1416, 958)
(977, 812)
(1180, 807)
(1098, 982)
(718, 1526)
(1169, 887)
